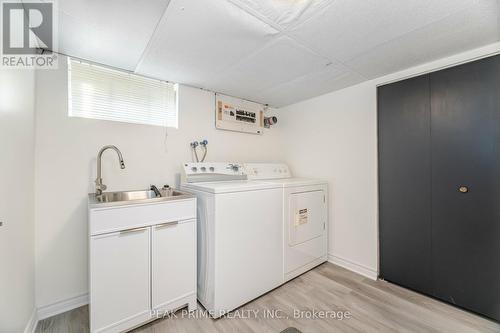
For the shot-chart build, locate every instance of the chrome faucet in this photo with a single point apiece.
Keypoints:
(99, 186)
(156, 190)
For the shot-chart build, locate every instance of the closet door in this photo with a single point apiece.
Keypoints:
(465, 104)
(404, 183)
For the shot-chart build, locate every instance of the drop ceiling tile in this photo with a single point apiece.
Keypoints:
(285, 13)
(457, 33)
(335, 77)
(280, 61)
(217, 45)
(196, 40)
(348, 28)
(113, 32)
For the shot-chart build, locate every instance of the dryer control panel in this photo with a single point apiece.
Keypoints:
(267, 170)
(212, 171)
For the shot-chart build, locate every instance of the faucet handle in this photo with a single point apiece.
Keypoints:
(99, 186)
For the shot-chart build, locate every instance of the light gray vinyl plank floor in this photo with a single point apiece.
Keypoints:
(374, 306)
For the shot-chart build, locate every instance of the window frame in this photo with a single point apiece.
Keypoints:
(168, 119)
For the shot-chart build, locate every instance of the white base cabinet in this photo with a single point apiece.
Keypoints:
(173, 277)
(137, 274)
(120, 278)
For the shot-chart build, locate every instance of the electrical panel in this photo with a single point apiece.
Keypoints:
(234, 114)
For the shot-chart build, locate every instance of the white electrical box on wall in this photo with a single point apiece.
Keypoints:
(235, 114)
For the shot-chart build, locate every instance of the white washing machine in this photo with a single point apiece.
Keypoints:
(240, 234)
(305, 216)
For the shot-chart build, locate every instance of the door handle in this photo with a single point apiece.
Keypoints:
(129, 231)
(463, 189)
(166, 224)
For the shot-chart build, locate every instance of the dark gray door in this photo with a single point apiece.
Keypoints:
(465, 109)
(405, 183)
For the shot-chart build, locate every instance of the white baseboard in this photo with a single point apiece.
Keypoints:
(352, 266)
(32, 322)
(56, 308)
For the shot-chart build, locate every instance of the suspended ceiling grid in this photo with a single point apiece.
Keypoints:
(273, 51)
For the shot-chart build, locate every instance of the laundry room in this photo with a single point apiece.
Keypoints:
(249, 166)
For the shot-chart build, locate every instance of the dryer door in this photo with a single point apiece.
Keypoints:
(307, 216)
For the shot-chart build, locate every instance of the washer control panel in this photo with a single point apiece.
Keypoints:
(212, 171)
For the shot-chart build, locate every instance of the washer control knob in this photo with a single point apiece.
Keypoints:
(203, 169)
(211, 169)
(235, 168)
(194, 169)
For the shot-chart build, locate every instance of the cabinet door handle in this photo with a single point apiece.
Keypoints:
(129, 231)
(463, 189)
(166, 224)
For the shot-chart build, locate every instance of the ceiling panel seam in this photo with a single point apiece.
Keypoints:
(316, 14)
(153, 34)
(331, 60)
(263, 19)
(248, 56)
(165, 15)
(278, 27)
(311, 74)
(283, 32)
(344, 63)
(255, 14)
(422, 27)
(256, 51)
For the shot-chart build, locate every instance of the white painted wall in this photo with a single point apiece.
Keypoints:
(66, 150)
(334, 136)
(17, 280)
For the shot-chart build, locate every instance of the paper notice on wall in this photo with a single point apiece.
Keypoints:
(301, 217)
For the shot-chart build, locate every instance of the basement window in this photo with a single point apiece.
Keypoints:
(97, 92)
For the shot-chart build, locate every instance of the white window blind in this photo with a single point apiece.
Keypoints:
(101, 93)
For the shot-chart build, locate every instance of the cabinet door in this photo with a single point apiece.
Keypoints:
(307, 216)
(465, 103)
(404, 183)
(174, 263)
(120, 279)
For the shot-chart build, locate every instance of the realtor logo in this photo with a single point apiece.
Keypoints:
(28, 34)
